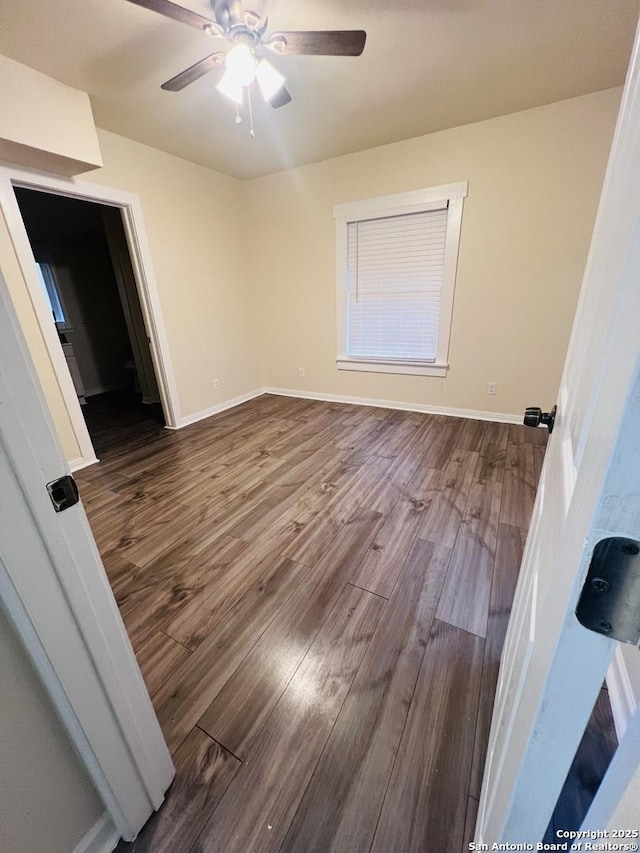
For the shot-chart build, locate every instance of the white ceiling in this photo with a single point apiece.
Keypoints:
(427, 65)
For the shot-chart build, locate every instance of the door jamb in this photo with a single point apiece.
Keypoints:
(135, 232)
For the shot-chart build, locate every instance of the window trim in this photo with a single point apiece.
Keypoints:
(415, 201)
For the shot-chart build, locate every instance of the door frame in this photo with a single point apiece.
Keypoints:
(62, 607)
(133, 223)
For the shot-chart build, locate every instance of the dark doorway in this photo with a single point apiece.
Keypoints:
(85, 269)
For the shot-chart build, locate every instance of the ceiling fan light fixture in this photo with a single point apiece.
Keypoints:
(246, 34)
(230, 87)
(241, 64)
(269, 79)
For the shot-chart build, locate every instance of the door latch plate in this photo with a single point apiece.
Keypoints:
(63, 492)
(610, 599)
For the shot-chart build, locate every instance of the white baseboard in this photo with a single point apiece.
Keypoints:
(80, 463)
(215, 410)
(621, 693)
(103, 837)
(474, 414)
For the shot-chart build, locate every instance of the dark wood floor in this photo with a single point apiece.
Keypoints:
(593, 756)
(317, 595)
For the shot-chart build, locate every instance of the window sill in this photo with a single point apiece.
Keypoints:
(407, 367)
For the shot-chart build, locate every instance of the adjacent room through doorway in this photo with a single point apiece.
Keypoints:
(81, 252)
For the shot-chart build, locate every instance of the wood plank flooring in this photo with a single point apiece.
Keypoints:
(317, 595)
(592, 758)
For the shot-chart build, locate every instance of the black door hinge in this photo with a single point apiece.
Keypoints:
(610, 599)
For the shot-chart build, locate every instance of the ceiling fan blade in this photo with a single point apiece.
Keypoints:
(194, 72)
(179, 13)
(322, 42)
(281, 98)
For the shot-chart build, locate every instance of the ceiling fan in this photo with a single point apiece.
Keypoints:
(244, 61)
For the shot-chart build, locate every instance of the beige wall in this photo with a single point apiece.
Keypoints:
(47, 802)
(43, 123)
(193, 221)
(534, 183)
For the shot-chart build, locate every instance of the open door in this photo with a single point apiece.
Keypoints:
(130, 300)
(55, 592)
(552, 666)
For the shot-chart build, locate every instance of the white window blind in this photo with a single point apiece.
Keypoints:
(395, 275)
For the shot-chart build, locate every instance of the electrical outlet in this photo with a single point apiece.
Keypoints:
(492, 387)
(301, 371)
(216, 384)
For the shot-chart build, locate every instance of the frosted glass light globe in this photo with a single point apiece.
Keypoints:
(241, 65)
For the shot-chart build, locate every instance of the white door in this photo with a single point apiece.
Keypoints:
(552, 667)
(55, 591)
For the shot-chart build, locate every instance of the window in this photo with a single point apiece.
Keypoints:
(396, 267)
(50, 287)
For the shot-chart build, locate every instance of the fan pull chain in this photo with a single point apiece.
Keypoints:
(251, 132)
(238, 116)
